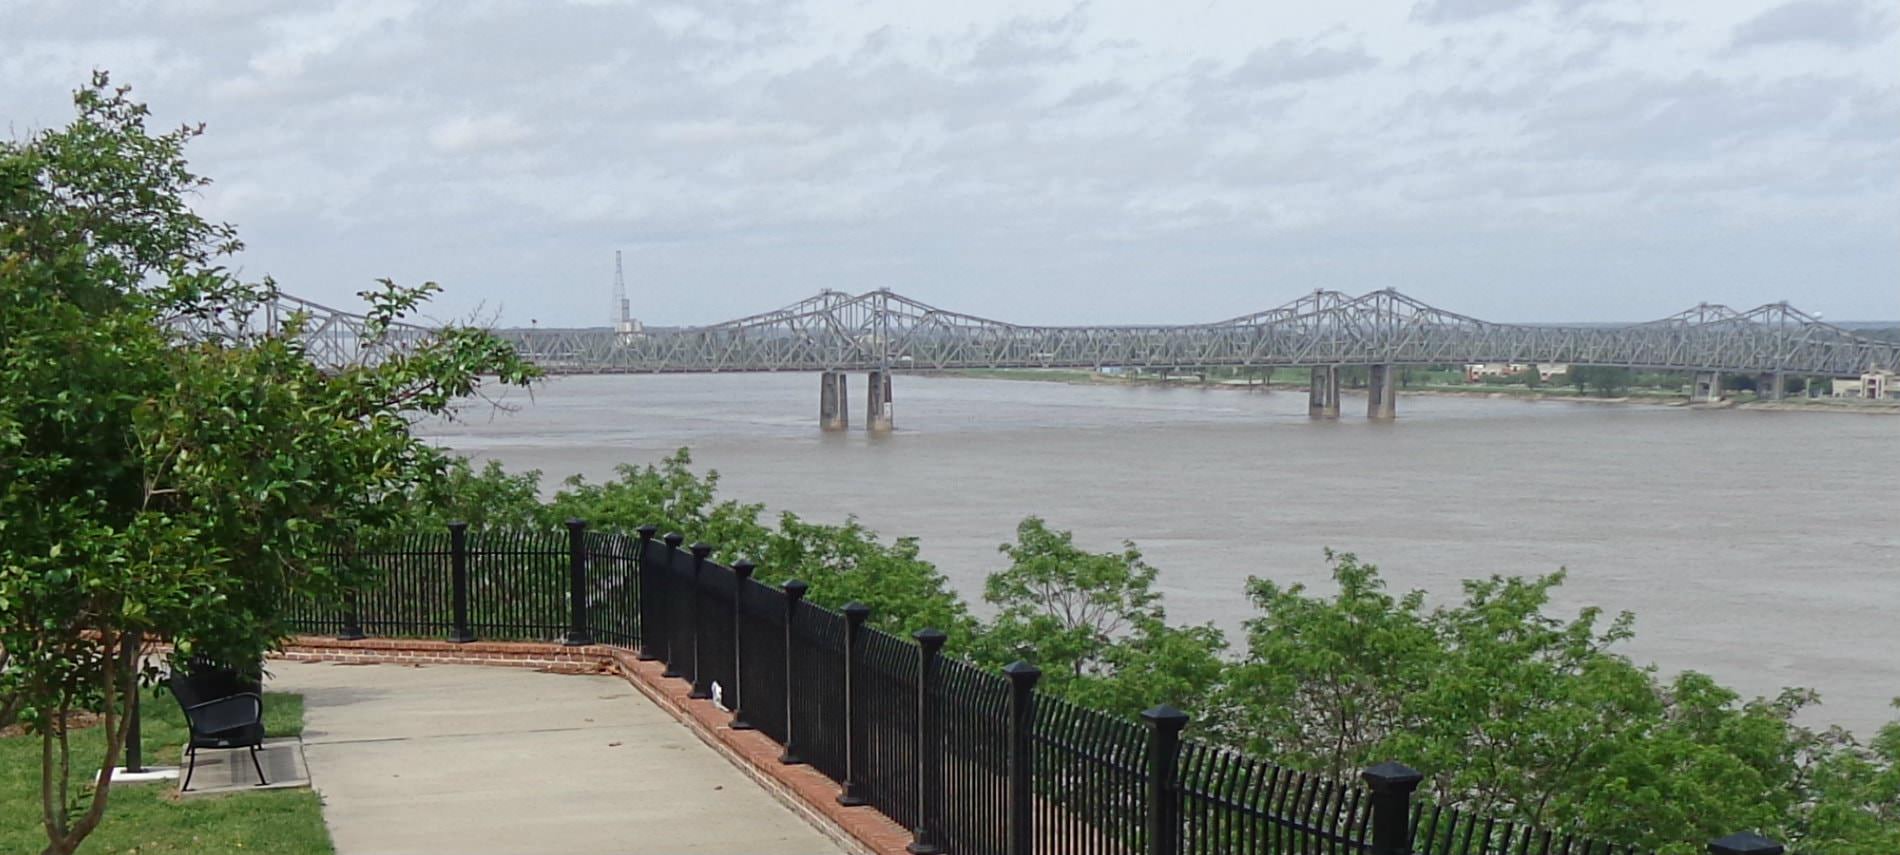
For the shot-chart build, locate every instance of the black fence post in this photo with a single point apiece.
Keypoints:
(1744, 843)
(794, 591)
(741, 572)
(134, 727)
(852, 795)
(648, 591)
(352, 619)
(1022, 716)
(702, 683)
(1164, 792)
(929, 745)
(1392, 784)
(673, 539)
(458, 573)
(577, 584)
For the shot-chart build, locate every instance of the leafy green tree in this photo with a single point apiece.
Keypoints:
(179, 487)
(491, 498)
(1095, 625)
(1323, 683)
(10, 700)
(848, 562)
(1692, 765)
(1159, 662)
(668, 495)
(1071, 603)
(1607, 381)
(1522, 715)
(842, 563)
(1854, 806)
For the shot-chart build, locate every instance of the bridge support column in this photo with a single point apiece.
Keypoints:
(878, 415)
(1322, 397)
(1708, 386)
(1772, 386)
(1382, 392)
(834, 406)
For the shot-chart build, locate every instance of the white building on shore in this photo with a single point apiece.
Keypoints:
(1872, 386)
(1476, 371)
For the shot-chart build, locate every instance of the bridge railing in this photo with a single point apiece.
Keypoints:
(970, 760)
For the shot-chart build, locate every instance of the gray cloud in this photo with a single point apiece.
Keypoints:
(1028, 42)
(1630, 118)
(1843, 23)
(1453, 11)
(1061, 164)
(1287, 61)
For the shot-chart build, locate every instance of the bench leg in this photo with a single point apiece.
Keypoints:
(258, 766)
(191, 765)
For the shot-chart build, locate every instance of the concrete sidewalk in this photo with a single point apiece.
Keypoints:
(478, 759)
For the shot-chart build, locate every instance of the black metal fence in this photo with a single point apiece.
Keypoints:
(972, 761)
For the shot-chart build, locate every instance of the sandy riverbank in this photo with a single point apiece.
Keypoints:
(1084, 378)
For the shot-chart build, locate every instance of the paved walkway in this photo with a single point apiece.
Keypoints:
(476, 759)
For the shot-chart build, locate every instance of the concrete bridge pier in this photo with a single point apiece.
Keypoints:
(1382, 403)
(834, 406)
(1708, 386)
(1772, 386)
(878, 414)
(1322, 397)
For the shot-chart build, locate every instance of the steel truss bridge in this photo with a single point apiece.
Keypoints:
(885, 331)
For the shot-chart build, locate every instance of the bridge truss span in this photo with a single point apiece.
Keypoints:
(883, 330)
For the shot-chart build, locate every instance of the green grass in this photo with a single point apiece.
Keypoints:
(150, 818)
(1047, 375)
(1416, 380)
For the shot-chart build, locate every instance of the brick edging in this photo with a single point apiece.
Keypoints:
(806, 791)
(582, 659)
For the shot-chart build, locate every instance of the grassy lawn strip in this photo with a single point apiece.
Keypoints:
(150, 818)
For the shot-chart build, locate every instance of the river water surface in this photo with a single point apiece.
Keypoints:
(1761, 547)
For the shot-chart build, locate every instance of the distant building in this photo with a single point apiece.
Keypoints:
(1880, 385)
(1871, 386)
(1477, 371)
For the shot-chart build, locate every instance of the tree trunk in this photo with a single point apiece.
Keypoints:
(119, 680)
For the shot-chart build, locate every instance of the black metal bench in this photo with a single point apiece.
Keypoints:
(224, 709)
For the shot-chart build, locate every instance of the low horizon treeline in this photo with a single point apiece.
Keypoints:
(1510, 710)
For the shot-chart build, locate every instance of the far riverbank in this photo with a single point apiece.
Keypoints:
(1647, 397)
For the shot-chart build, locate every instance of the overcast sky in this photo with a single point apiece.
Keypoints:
(1113, 162)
